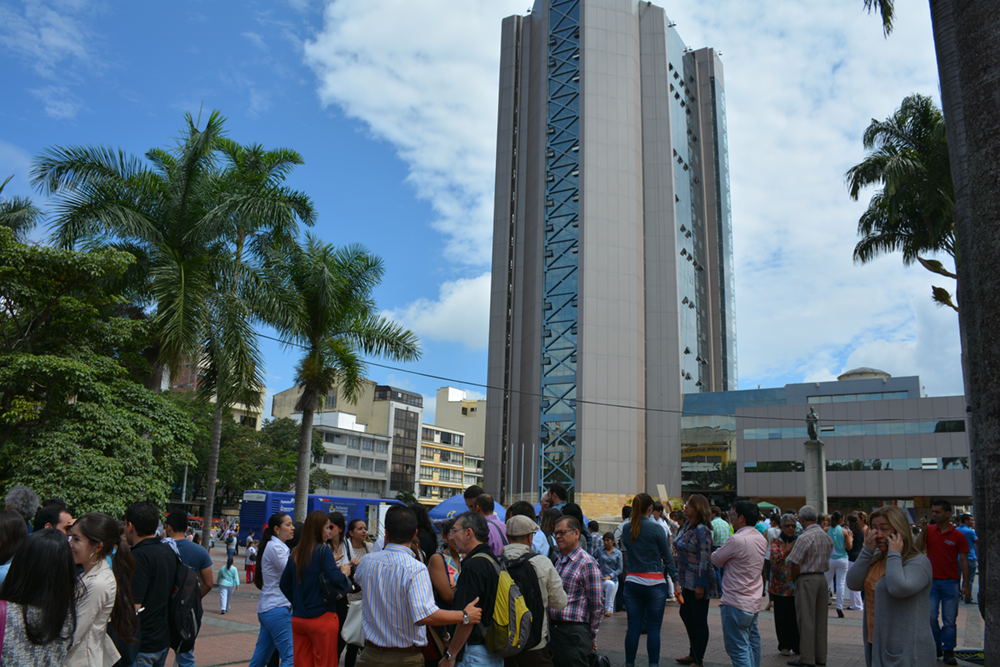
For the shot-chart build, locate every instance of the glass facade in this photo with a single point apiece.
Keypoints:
(561, 243)
(839, 465)
(845, 430)
(406, 425)
(724, 247)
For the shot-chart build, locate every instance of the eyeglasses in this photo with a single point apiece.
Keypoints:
(560, 533)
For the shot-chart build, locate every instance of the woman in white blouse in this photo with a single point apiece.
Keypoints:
(274, 611)
(107, 591)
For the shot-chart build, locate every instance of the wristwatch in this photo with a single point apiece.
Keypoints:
(465, 617)
(448, 655)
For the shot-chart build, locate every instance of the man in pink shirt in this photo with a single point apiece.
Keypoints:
(743, 557)
(485, 506)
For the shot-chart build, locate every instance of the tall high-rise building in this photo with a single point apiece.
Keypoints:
(612, 289)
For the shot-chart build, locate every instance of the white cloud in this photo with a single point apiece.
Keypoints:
(60, 102)
(423, 76)
(459, 315)
(256, 40)
(44, 36)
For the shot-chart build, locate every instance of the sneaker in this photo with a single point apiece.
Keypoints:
(785, 652)
(940, 653)
(949, 658)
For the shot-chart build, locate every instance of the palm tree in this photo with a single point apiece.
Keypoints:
(18, 214)
(181, 219)
(335, 320)
(914, 211)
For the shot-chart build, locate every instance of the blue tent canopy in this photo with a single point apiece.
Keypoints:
(451, 508)
(538, 510)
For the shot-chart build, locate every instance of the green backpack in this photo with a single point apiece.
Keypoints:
(511, 628)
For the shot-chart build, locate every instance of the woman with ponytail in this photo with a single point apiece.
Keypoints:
(106, 596)
(645, 586)
(274, 610)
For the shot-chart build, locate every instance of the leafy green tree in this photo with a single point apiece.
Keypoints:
(75, 421)
(335, 320)
(18, 214)
(914, 210)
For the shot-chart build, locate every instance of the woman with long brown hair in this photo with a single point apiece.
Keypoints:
(697, 575)
(107, 591)
(272, 608)
(896, 580)
(315, 625)
(645, 587)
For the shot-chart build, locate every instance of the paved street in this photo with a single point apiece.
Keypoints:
(229, 640)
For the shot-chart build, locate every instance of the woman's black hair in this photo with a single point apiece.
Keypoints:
(102, 529)
(423, 517)
(229, 562)
(43, 575)
(337, 519)
(272, 524)
(13, 533)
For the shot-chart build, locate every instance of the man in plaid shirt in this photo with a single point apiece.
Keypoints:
(573, 629)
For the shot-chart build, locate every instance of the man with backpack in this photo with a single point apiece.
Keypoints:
(480, 579)
(540, 585)
(574, 628)
(155, 569)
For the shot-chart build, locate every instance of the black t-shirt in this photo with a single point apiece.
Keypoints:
(155, 568)
(478, 580)
(428, 542)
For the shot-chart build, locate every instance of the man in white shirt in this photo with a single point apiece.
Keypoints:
(662, 522)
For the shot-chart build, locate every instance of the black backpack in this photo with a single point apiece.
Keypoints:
(184, 608)
(553, 549)
(524, 575)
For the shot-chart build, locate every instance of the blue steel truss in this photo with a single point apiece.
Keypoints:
(562, 221)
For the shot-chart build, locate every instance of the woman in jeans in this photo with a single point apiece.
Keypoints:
(315, 625)
(697, 576)
(609, 559)
(645, 587)
(273, 610)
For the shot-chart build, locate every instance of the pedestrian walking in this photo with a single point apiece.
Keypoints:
(807, 563)
(697, 576)
(274, 610)
(967, 525)
(250, 564)
(843, 541)
(948, 551)
(229, 581)
(896, 581)
(781, 589)
(721, 530)
(742, 556)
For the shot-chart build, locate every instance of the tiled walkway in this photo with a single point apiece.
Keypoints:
(229, 640)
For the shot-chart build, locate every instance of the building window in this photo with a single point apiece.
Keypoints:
(379, 466)
(426, 473)
(338, 483)
(352, 462)
(446, 438)
(366, 464)
(353, 443)
(329, 437)
(248, 421)
(426, 454)
(457, 440)
(445, 457)
(381, 447)
(367, 445)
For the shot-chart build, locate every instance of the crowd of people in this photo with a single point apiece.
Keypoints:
(477, 591)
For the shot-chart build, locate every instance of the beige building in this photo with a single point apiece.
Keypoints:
(186, 379)
(382, 410)
(465, 415)
(442, 464)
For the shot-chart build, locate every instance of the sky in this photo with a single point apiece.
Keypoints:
(393, 106)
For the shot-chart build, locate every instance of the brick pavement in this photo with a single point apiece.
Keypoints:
(229, 640)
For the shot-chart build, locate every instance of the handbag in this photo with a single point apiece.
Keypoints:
(353, 631)
(327, 591)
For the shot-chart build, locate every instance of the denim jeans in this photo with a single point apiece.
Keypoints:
(945, 593)
(644, 605)
(275, 633)
(185, 659)
(476, 655)
(972, 575)
(157, 659)
(739, 631)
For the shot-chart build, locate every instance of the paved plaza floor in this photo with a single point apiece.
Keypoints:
(229, 640)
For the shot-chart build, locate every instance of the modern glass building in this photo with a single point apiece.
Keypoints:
(884, 443)
(613, 287)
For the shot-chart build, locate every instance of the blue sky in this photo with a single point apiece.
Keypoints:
(392, 104)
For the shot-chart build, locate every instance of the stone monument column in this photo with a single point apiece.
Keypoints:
(815, 465)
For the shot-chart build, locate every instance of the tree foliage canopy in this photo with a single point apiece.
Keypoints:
(75, 421)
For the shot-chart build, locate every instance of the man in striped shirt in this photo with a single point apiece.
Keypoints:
(573, 629)
(397, 598)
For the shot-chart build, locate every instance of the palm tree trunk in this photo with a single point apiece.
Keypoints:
(304, 464)
(967, 42)
(213, 469)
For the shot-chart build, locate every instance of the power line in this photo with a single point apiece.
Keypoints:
(683, 413)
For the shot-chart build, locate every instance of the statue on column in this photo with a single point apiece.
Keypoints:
(812, 425)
